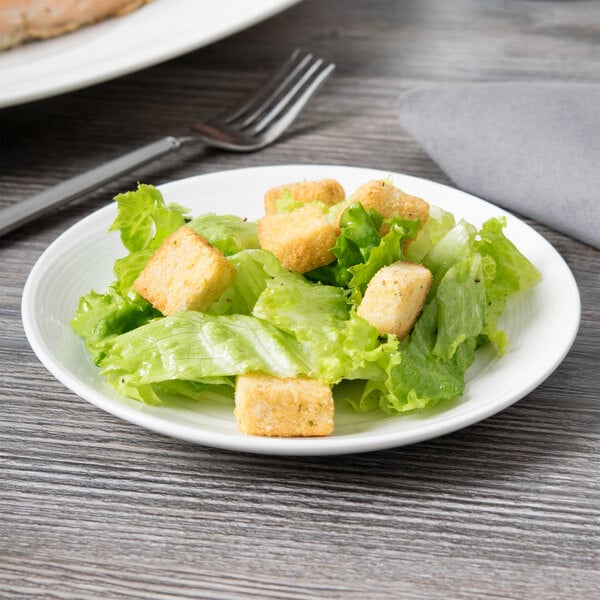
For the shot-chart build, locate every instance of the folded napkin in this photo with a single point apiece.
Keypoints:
(533, 148)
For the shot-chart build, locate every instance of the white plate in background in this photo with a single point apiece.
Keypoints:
(158, 31)
(82, 258)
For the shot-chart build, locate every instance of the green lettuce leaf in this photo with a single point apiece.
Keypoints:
(439, 223)
(422, 377)
(143, 218)
(388, 251)
(283, 323)
(228, 233)
(314, 314)
(461, 302)
(254, 268)
(342, 344)
(194, 346)
(286, 204)
(102, 316)
(361, 250)
(506, 272)
(475, 272)
(144, 221)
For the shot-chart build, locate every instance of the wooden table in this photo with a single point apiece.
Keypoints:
(93, 507)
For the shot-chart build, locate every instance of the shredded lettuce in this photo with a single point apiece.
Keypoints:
(361, 250)
(144, 220)
(229, 233)
(439, 223)
(254, 268)
(195, 346)
(270, 319)
(100, 317)
(342, 345)
(286, 203)
(506, 272)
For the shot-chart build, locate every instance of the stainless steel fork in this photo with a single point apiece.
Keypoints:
(258, 122)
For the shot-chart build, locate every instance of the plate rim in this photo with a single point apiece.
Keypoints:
(286, 446)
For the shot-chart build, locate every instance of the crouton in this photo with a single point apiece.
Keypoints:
(326, 191)
(302, 239)
(395, 297)
(288, 407)
(389, 201)
(185, 273)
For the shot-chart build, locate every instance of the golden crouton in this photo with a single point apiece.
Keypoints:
(185, 273)
(390, 201)
(302, 239)
(327, 191)
(289, 407)
(395, 297)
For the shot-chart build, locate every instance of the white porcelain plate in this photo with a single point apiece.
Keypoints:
(154, 33)
(81, 259)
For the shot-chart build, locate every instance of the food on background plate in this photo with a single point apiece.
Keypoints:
(378, 299)
(23, 20)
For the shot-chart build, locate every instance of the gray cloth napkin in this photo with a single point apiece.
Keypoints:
(532, 148)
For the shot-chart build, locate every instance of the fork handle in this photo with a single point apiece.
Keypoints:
(27, 210)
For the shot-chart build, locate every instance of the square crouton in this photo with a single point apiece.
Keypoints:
(395, 297)
(288, 407)
(326, 191)
(185, 273)
(302, 239)
(390, 201)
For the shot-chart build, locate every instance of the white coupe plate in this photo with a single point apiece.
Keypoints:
(154, 33)
(82, 258)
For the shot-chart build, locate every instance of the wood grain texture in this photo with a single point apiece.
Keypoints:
(93, 507)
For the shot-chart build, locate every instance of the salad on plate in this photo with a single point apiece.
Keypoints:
(375, 299)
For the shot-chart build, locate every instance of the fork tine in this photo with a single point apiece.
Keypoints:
(270, 113)
(293, 107)
(255, 112)
(277, 103)
(272, 87)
